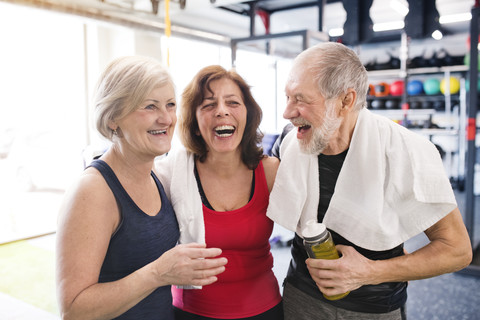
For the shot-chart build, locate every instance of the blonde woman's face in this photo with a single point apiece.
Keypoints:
(148, 131)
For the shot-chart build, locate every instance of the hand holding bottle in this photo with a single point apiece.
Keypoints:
(319, 245)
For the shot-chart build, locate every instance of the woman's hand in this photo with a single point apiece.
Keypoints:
(190, 264)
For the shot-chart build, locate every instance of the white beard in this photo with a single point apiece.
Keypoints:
(321, 136)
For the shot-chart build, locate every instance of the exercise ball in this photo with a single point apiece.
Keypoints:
(454, 85)
(378, 104)
(426, 104)
(396, 88)
(431, 86)
(382, 89)
(439, 105)
(415, 105)
(414, 87)
(392, 104)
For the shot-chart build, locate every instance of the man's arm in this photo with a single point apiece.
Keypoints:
(449, 250)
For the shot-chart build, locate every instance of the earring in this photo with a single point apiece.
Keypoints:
(114, 131)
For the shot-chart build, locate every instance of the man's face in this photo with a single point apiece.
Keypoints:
(315, 117)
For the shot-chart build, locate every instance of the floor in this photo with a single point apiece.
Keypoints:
(447, 297)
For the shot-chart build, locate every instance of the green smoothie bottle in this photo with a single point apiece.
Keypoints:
(319, 245)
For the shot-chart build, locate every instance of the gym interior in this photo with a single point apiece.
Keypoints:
(421, 57)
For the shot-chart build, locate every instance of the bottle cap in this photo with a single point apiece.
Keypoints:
(314, 230)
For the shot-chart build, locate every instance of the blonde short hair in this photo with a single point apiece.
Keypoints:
(123, 86)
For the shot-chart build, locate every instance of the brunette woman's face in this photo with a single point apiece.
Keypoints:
(222, 117)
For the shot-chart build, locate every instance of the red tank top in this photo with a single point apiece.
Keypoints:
(248, 285)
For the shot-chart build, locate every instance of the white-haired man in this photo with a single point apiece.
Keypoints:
(372, 182)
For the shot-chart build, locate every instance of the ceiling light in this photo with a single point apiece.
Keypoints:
(437, 35)
(386, 26)
(400, 7)
(335, 32)
(452, 18)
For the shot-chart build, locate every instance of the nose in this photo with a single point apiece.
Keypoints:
(222, 110)
(290, 110)
(165, 117)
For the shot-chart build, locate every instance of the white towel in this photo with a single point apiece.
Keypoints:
(175, 171)
(392, 186)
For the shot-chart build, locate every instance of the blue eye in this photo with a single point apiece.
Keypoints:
(151, 107)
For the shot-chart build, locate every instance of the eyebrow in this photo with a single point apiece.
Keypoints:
(157, 101)
(227, 96)
(300, 96)
(231, 95)
(213, 98)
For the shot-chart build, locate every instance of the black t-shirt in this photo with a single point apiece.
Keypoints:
(380, 298)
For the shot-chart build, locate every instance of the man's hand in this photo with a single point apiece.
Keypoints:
(348, 273)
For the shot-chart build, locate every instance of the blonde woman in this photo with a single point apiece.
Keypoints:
(117, 235)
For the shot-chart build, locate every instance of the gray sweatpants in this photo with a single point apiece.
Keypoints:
(298, 305)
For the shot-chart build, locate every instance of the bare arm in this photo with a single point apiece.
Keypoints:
(88, 218)
(449, 250)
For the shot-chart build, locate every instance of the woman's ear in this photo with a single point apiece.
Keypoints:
(112, 125)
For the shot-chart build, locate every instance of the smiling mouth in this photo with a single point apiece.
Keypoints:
(157, 132)
(304, 128)
(301, 124)
(224, 131)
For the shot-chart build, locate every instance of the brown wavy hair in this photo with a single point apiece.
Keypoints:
(194, 95)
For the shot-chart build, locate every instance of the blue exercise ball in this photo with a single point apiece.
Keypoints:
(414, 87)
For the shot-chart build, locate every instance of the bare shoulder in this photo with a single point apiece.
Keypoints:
(89, 199)
(88, 217)
(270, 166)
(270, 163)
(90, 186)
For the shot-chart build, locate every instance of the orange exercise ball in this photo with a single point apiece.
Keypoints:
(382, 89)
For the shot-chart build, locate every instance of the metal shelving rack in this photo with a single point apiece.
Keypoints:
(474, 267)
(455, 128)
